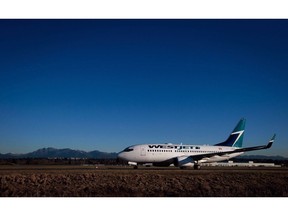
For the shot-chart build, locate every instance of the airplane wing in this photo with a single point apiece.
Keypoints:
(199, 157)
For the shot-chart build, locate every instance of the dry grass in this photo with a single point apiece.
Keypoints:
(67, 181)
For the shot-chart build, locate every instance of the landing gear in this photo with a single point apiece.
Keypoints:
(197, 166)
(134, 164)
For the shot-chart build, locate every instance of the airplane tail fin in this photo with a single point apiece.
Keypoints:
(236, 137)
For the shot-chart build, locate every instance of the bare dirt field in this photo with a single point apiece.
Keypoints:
(121, 181)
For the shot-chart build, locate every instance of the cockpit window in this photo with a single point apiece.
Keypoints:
(128, 149)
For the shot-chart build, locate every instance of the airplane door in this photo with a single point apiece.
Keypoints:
(142, 151)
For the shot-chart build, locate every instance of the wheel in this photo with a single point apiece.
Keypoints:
(197, 166)
(135, 167)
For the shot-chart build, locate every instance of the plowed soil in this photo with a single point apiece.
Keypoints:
(91, 181)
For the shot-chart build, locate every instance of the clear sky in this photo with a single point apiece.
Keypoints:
(107, 84)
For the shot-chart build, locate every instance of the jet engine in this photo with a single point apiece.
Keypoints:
(184, 161)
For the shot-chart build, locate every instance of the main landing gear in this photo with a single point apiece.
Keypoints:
(197, 166)
(182, 167)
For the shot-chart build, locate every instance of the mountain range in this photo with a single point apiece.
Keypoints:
(61, 153)
(70, 153)
(262, 157)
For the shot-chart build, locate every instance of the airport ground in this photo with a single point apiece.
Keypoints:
(124, 181)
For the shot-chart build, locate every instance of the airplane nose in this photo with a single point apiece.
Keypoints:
(120, 156)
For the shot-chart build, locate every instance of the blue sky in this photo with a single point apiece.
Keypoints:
(107, 84)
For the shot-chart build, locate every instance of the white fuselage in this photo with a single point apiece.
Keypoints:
(157, 153)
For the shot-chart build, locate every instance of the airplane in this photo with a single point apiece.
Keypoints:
(184, 156)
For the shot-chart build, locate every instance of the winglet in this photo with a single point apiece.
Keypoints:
(271, 141)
